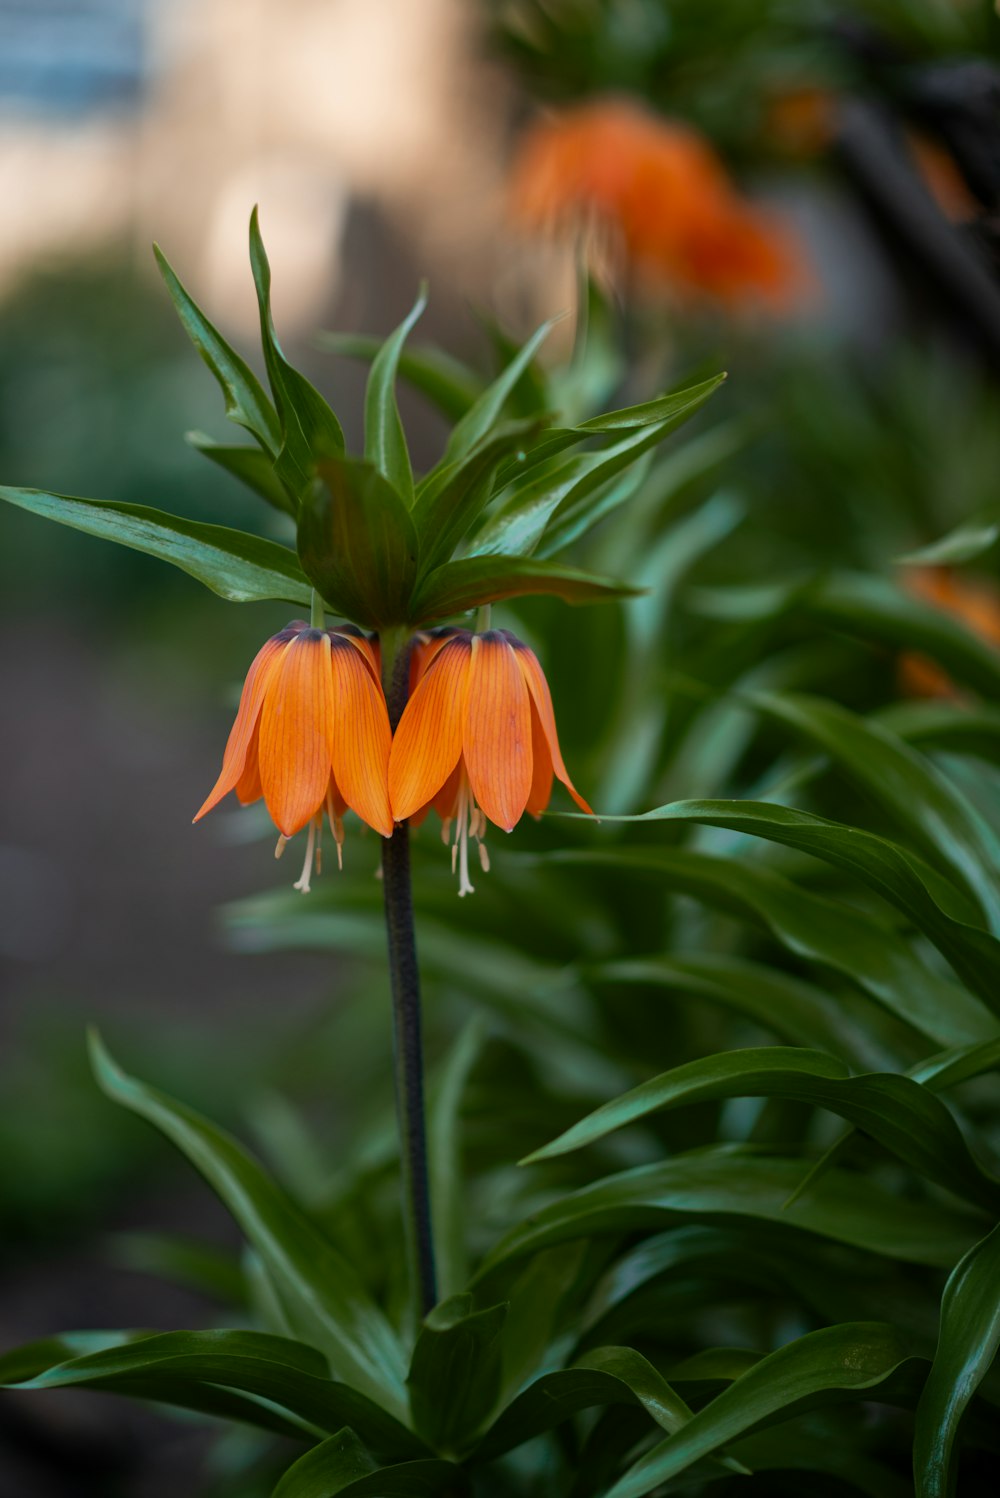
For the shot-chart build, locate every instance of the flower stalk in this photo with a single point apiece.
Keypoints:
(405, 980)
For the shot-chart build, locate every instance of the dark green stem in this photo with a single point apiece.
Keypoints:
(405, 977)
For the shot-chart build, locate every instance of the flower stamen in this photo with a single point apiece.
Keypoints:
(280, 845)
(337, 828)
(469, 822)
(302, 882)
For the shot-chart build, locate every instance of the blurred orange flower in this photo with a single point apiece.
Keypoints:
(477, 740)
(943, 178)
(975, 603)
(663, 191)
(800, 119)
(311, 735)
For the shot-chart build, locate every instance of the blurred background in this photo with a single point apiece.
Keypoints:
(805, 194)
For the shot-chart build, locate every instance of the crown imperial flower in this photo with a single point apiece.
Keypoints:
(311, 735)
(477, 740)
(661, 189)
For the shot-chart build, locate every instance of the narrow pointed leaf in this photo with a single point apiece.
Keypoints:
(251, 465)
(604, 1376)
(535, 1312)
(448, 383)
(968, 1339)
(485, 411)
(234, 564)
(329, 1468)
(675, 407)
(869, 608)
(246, 402)
(729, 1181)
(324, 1299)
(457, 493)
(905, 1118)
(797, 1012)
(342, 1466)
(385, 441)
(967, 541)
(460, 586)
(204, 1267)
(445, 1157)
(454, 1375)
(20, 1364)
(935, 907)
(923, 803)
(557, 498)
(309, 429)
(823, 1367)
(285, 1373)
(357, 543)
(823, 931)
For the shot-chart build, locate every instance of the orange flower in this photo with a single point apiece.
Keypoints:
(976, 604)
(477, 740)
(943, 178)
(311, 734)
(663, 191)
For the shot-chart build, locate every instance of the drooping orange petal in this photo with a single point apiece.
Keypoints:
(424, 648)
(370, 652)
(534, 676)
(336, 799)
(360, 748)
(248, 788)
(296, 732)
(428, 741)
(497, 743)
(541, 767)
(445, 803)
(242, 735)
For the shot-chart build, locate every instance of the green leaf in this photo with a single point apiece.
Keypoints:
(342, 1466)
(911, 1122)
(454, 1376)
(963, 729)
(357, 543)
(32, 1358)
(246, 402)
(234, 564)
(554, 502)
(453, 496)
(676, 407)
(322, 1296)
(535, 1311)
(385, 441)
(485, 411)
(957, 1065)
(729, 1180)
(179, 1367)
(892, 872)
(825, 931)
(451, 385)
(968, 1339)
(821, 1368)
(444, 1149)
(327, 1469)
(309, 429)
(964, 543)
(923, 803)
(869, 608)
(205, 1267)
(251, 465)
(460, 586)
(604, 1376)
(795, 1011)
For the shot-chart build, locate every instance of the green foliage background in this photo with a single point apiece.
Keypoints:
(743, 1034)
